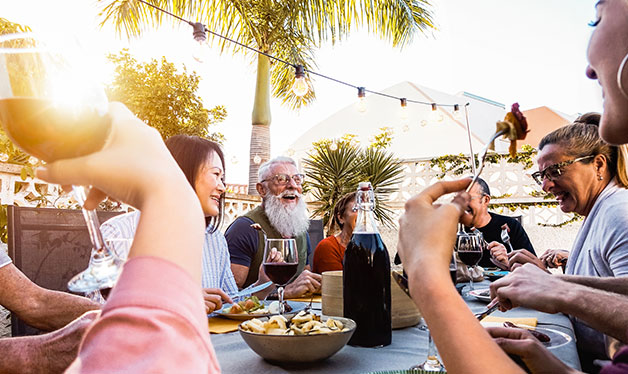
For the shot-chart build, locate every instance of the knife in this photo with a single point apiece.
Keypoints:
(251, 290)
(402, 281)
(491, 307)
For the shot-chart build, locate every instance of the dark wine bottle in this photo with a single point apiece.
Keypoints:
(366, 277)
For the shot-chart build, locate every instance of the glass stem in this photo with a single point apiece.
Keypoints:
(93, 225)
(281, 306)
(471, 269)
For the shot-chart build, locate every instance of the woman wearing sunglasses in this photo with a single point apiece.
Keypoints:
(588, 177)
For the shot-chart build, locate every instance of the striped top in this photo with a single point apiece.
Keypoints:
(216, 264)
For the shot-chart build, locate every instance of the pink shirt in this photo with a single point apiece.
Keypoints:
(153, 322)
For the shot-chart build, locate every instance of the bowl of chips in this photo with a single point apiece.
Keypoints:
(306, 337)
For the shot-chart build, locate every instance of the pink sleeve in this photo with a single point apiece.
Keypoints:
(154, 321)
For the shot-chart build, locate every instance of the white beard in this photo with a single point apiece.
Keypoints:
(289, 220)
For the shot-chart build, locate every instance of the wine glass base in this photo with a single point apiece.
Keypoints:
(100, 274)
(429, 365)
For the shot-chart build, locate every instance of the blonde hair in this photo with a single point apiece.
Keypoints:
(582, 138)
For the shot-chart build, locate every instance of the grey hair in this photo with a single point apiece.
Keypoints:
(265, 169)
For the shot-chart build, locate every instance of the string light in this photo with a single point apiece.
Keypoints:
(361, 99)
(404, 108)
(300, 86)
(333, 146)
(200, 37)
(257, 159)
(457, 112)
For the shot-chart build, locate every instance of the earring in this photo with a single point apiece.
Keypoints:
(619, 74)
(599, 177)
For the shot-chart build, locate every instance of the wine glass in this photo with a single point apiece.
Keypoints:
(469, 248)
(52, 109)
(281, 260)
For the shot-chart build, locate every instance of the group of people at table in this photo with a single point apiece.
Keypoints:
(155, 318)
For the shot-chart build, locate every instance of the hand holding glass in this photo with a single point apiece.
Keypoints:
(51, 109)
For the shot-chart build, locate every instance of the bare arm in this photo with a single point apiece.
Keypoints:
(532, 287)
(48, 353)
(611, 284)
(240, 272)
(41, 308)
(426, 238)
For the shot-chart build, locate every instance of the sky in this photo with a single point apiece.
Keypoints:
(532, 52)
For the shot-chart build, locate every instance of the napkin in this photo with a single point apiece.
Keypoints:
(527, 321)
(315, 299)
(219, 325)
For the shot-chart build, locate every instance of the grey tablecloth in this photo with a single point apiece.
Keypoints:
(409, 347)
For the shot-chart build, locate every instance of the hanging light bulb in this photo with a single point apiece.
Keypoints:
(361, 99)
(435, 116)
(404, 108)
(290, 152)
(423, 123)
(406, 128)
(199, 50)
(257, 159)
(333, 146)
(234, 160)
(457, 112)
(300, 86)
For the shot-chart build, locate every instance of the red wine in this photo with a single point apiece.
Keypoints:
(50, 133)
(470, 258)
(452, 274)
(280, 273)
(366, 292)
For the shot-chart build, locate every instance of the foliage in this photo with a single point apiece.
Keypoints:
(163, 97)
(289, 30)
(383, 139)
(459, 164)
(334, 169)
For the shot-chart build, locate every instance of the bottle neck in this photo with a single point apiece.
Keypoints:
(365, 222)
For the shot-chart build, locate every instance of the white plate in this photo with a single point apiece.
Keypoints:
(557, 338)
(295, 305)
(478, 295)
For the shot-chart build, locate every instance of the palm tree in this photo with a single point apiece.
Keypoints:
(288, 29)
(335, 168)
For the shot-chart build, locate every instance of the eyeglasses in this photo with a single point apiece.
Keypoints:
(554, 172)
(284, 179)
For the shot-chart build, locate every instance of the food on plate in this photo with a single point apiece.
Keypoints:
(538, 335)
(304, 323)
(485, 293)
(250, 305)
(515, 126)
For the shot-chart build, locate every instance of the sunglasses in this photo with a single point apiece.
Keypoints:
(555, 171)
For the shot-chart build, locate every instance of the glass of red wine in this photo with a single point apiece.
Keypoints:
(469, 248)
(281, 260)
(51, 107)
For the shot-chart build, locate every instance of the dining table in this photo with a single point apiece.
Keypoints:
(408, 347)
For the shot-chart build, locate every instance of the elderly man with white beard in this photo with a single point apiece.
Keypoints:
(283, 214)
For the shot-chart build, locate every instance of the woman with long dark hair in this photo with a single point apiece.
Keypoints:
(202, 162)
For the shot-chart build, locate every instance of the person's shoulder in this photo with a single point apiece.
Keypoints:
(327, 243)
(501, 219)
(615, 207)
(240, 223)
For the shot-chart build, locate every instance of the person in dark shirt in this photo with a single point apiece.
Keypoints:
(490, 225)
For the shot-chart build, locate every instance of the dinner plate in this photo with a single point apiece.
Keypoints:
(557, 338)
(295, 305)
(481, 295)
(495, 275)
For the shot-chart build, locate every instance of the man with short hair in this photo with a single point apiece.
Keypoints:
(44, 309)
(490, 225)
(282, 214)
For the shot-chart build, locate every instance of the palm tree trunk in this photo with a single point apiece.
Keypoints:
(260, 133)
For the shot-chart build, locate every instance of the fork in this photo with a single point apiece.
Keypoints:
(506, 238)
(484, 151)
(490, 308)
